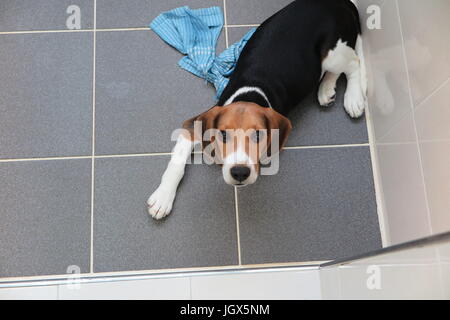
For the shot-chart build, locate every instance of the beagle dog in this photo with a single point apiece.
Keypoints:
(306, 43)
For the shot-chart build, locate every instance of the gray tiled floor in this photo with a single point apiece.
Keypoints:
(46, 15)
(45, 95)
(201, 231)
(320, 206)
(139, 13)
(244, 12)
(142, 93)
(44, 217)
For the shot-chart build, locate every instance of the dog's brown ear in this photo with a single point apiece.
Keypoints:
(207, 120)
(277, 121)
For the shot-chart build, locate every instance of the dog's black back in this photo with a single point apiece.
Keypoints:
(285, 54)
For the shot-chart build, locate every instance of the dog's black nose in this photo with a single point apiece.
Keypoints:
(240, 173)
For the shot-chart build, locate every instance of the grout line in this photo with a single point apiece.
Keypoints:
(75, 30)
(356, 145)
(45, 31)
(226, 26)
(133, 155)
(242, 25)
(123, 29)
(45, 159)
(154, 154)
(225, 23)
(411, 101)
(236, 207)
(91, 266)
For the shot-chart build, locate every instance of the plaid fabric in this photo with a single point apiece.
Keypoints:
(194, 33)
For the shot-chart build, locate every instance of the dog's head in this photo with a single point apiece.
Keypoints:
(239, 136)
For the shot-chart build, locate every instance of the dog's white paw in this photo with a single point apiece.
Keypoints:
(355, 101)
(327, 93)
(160, 203)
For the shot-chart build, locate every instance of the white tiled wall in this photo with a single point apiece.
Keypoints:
(268, 286)
(409, 94)
(246, 285)
(397, 282)
(29, 293)
(160, 289)
(420, 273)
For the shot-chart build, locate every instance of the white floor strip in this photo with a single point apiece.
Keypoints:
(379, 195)
(156, 273)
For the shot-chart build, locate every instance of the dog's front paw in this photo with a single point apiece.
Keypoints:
(160, 203)
(355, 102)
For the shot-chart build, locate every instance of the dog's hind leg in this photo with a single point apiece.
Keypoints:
(344, 59)
(327, 89)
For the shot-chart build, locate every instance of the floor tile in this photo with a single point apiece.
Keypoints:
(44, 217)
(47, 15)
(320, 206)
(139, 13)
(235, 34)
(252, 11)
(316, 125)
(201, 230)
(142, 94)
(46, 95)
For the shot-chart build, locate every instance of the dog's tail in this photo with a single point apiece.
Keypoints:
(352, 5)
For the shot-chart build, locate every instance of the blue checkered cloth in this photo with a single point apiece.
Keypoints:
(194, 32)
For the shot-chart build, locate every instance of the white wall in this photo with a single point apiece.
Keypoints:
(418, 273)
(286, 284)
(409, 94)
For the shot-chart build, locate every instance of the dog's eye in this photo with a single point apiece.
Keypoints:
(257, 136)
(224, 135)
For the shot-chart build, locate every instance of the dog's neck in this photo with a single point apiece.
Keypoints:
(250, 94)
